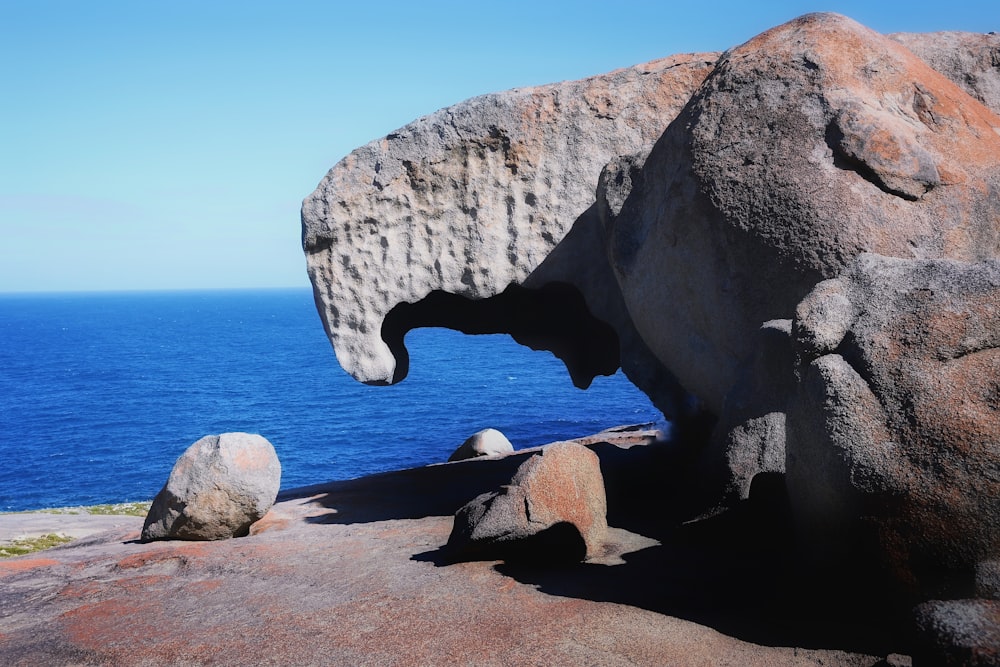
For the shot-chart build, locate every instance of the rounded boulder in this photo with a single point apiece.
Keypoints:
(219, 487)
(488, 442)
(553, 509)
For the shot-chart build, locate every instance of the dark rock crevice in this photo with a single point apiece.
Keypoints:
(554, 318)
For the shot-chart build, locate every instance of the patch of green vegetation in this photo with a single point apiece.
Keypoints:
(127, 509)
(29, 545)
(139, 508)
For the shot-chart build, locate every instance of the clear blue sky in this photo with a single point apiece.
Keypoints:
(158, 145)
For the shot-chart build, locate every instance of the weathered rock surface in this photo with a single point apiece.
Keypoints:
(478, 200)
(554, 509)
(219, 486)
(893, 432)
(752, 425)
(812, 144)
(988, 580)
(970, 60)
(845, 142)
(958, 633)
(349, 573)
(444, 221)
(488, 442)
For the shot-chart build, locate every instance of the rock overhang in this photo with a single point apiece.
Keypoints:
(813, 142)
(497, 193)
(478, 201)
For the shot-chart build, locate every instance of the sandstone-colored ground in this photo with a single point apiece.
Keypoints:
(352, 573)
(36, 524)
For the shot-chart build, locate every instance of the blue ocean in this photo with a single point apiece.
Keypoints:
(101, 392)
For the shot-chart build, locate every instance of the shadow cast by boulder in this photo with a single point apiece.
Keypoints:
(558, 545)
(638, 480)
(737, 572)
(415, 493)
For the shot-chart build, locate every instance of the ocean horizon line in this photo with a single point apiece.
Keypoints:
(154, 290)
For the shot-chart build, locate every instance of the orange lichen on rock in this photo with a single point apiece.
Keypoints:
(20, 565)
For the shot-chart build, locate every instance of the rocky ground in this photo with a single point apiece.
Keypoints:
(353, 573)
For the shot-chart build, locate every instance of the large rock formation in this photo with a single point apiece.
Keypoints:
(813, 144)
(844, 142)
(893, 431)
(219, 486)
(491, 200)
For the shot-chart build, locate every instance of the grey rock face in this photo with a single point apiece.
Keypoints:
(808, 145)
(554, 508)
(780, 164)
(449, 217)
(970, 60)
(892, 433)
(958, 633)
(988, 580)
(219, 486)
(488, 442)
(752, 425)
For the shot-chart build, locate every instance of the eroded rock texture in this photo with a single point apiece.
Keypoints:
(958, 633)
(893, 450)
(480, 217)
(554, 509)
(219, 486)
(971, 60)
(808, 145)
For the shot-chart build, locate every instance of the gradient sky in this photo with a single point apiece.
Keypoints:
(164, 145)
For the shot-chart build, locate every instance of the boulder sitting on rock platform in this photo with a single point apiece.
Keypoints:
(216, 490)
(488, 442)
(554, 509)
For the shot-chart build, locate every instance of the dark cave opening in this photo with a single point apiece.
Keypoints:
(554, 317)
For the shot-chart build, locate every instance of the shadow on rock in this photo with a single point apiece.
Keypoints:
(415, 493)
(737, 572)
(559, 545)
(635, 479)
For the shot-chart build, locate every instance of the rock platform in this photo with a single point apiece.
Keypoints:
(352, 573)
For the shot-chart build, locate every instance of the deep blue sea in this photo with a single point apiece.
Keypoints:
(100, 393)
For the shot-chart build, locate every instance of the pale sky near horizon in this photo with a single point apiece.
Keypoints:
(168, 145)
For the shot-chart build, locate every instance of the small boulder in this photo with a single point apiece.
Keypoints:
(216, 490)
(488, 442)
(554, 509)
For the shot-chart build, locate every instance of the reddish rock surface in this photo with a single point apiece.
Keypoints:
(554, 508)
(350, 573)
(811, 143)
(892, 448)
(971, 60)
